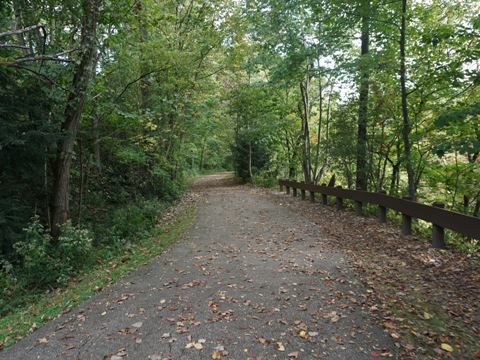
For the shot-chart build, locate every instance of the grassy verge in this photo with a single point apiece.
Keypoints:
(15, 326)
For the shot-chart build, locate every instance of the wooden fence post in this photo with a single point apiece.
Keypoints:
(281, 187)
(312, 197)
(303, 194)
(324, 197)
(294, 192)
(382, 211)
(406, 221)
(438, 232)
(288, 189)
(339, 200)
(358, 208)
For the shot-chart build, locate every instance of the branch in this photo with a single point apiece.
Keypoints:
(21, 31)
(53, 57)
(211, 74)
(43, 76)
(14, 46)
(138, 79)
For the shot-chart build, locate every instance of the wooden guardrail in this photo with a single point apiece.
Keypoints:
(436, 214)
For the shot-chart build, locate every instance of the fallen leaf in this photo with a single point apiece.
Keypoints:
(389, 324)
(138, 324)
(446, 347)
(303, 334)
(426, 316)
(43, 341)
(293, 355)
(335, 319)
(198, 346)
(216, 355)
(279, 346)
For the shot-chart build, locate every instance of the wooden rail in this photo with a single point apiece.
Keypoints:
(439, 217)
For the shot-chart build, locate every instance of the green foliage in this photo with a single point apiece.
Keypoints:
(129, 221)
(459, 123)
(45, 262)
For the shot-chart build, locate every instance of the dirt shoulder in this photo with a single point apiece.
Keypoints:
(428, 299)
(251, 280)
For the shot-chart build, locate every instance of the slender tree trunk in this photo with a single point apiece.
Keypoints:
(305, 112)
(18, 25)
(476, 211)
(250, 160)
(361, 170)
(316, 170)
(202, 154)
(73, 111)
(96, 143)
(412, 191)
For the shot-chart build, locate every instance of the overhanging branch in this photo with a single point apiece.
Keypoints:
(21, 31)
(51, 57)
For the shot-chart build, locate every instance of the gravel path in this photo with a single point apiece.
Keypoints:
(251, 280)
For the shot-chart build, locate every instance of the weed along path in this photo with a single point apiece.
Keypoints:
(251, 280)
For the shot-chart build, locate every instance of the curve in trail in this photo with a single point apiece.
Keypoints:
(251, 280)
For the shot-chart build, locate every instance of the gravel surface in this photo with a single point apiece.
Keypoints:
(251, 280)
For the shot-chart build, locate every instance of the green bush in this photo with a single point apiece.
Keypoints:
(265, 178)
(8, 285)
(45, 262)
(74, 246)
(128, 221)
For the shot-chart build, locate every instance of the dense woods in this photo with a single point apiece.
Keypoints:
(108, 107)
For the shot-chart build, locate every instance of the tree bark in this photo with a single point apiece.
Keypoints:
(412, 191)
(361, 165)
(73, 111)
(305, 115)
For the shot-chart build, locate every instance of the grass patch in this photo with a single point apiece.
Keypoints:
(23, 321)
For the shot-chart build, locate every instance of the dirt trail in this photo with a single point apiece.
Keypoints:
(251, 280)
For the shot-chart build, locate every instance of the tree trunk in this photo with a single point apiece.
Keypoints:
(412, 191)
(361, 170)
(305, 115)
(73, 112)
(250, 160)
(316, 170)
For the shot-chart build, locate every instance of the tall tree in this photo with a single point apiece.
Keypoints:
(406, 128)
(361, 180)
(83, 72)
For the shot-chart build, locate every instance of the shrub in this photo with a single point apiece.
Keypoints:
(74, 246)
(128, 221)
(44, 261)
